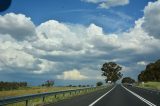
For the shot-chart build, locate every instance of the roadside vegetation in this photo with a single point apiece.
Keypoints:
(128, 80)
(150, 77)
(12, 85)
(57, 97)
(112, 72)
(31, 90)
(99, 83)
(151, 73)
(13, 89)
(150, 85)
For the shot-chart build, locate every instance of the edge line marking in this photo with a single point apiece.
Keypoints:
(139, 97)
(93, 103)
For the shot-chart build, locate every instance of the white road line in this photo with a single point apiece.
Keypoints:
(101, 97)
(141, 98)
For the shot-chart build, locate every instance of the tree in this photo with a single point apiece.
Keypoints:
(128, 80)
(79, 85)
(11, 85)
(151, 72)
(48, 83)
(112, 71)
(99, 83)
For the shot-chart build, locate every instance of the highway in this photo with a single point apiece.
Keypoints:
(117, 96)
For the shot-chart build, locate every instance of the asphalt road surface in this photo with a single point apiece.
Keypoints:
(117, 96)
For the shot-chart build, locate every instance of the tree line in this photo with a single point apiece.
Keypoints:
(112, 72)
(151, 72)
(11, 85)
(48, 83)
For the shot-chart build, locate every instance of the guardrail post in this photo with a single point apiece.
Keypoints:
(27, 102)
(26, 99)
(43, 98)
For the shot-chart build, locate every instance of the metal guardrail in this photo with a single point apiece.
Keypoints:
(26, 98)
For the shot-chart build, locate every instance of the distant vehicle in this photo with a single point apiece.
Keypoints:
(109, 82)
(129, 84)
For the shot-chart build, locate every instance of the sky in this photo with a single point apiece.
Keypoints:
(69, 40)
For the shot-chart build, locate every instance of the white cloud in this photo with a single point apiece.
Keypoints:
(44, 66)
(53, 35)
(72, 75)
(143, 63)
(108, 3)
(125, 69)
(138, 40)
(68, 42)
(94, 1)
(18, 26)
(12, 56)
(152, 19)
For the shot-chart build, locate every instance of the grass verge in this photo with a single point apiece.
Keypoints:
(55, 98)
(32, 90)
(150, 85)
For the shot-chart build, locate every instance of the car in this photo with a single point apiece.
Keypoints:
(129, 84)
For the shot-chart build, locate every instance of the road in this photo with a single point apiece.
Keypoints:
(117, 96)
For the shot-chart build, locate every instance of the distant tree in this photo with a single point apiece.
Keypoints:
(112, 71)
(70, 85)
(88, 85)
(48, 83)
(79, 85)
(43, 85)
(151, 72)
(12, 85)
(83, 85)
(99, 83)
(128, 80)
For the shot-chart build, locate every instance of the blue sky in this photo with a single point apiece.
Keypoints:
(69, 40)
(78, 12)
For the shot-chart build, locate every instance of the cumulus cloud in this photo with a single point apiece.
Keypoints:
(18, 26)
(108, 3)
(53, 35)
(143, 63)
(152, 19)
(72, 75)
(12, 56)
(44, 66)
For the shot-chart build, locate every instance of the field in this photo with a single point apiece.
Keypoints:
(48, 99)
(151, 85)
(32, 90)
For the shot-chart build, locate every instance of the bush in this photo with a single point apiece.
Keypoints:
(99, 84)
(12, 85)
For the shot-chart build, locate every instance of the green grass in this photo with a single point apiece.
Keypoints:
(151, 85)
